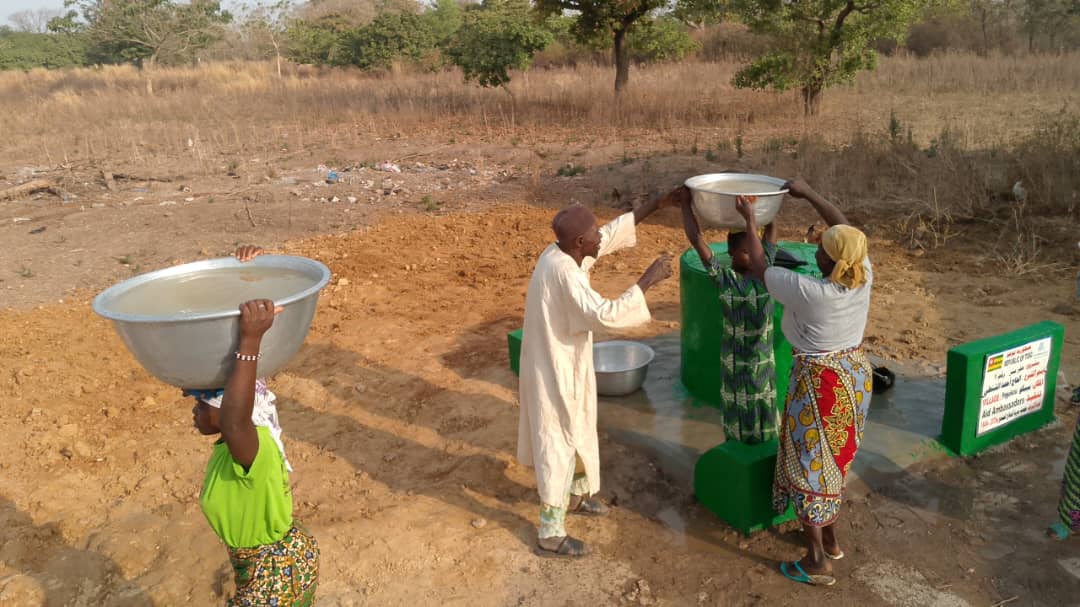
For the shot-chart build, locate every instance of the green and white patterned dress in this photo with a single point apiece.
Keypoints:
(747, 367)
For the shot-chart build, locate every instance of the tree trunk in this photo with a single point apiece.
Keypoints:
(148, 67)
(513, 104)
(811, 94)
(277, 54)
(985, 36)
(621, 57)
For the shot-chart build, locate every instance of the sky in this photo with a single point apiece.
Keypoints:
(13, 6)
(7, 7)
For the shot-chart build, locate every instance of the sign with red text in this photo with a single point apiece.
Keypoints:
(1014, 384)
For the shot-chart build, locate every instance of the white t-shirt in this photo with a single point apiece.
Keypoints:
(819, 315)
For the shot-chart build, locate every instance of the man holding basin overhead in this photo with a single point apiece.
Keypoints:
(557, 431)
(831, 380)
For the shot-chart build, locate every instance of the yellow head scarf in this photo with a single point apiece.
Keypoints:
(846, 246)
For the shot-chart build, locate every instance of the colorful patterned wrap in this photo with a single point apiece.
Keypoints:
(820, 432)
(283, 574)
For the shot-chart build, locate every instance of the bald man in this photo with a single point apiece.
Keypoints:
(557, 432)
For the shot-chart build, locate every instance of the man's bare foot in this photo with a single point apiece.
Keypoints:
(580, 504)
(564, 546)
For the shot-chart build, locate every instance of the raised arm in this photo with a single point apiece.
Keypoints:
(237, 430)
(591, 311)
(798, 188)
(758, 263)
(770, 233)
(671, 199)
(693, 233)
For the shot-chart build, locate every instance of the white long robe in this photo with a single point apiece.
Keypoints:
(557, 388)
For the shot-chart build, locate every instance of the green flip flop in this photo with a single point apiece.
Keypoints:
(1058, 531)
(803, 577)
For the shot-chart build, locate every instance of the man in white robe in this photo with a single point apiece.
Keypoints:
(557, 433)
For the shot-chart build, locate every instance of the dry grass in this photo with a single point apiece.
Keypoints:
(969, 126)
(220, 108)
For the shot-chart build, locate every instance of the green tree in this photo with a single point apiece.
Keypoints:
(495, 38)
(700, 13)
(390, 37)
(819, 43)
(1048, 17)
(355, 12)
(661, 39)
(319, 41)
(444, 19)
(145, 31)
(25, 51)
(606, 19)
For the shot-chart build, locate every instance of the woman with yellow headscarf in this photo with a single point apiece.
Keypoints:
(831, 381)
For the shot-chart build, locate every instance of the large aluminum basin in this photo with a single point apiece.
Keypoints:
(621, 366)
(713, 198)
(182, 323)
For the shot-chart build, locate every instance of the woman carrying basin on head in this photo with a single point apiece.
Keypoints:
(747, 366)
(246, 496)
(831, 380)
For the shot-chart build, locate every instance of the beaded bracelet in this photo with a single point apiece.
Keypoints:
(247, 357)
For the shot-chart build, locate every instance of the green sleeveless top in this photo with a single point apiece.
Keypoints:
(248, 508)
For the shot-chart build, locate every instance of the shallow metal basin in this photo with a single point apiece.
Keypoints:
(713, 198)
(620, 366)
(182, 323)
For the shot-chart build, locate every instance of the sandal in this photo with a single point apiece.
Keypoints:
(568, 548)
(588, 506)
(1058, 531)
(834, 557)
(803, 577)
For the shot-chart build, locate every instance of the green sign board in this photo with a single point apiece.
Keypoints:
(1000, 387)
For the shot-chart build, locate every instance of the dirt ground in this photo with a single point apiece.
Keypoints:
(400, 412)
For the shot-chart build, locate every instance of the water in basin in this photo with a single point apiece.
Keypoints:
(730, 186)
(210, 291)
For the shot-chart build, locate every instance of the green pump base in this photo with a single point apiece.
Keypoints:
(734, 481)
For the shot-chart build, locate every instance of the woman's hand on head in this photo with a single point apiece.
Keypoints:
(248, 252)
(256, 317)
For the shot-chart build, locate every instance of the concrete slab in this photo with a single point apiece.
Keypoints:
(664, 420)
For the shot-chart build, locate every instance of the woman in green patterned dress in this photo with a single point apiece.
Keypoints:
(747, 366)
(246, 496)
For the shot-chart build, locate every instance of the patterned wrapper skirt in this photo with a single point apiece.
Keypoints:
(1069, 506)
(820, 432)
(284, 574)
